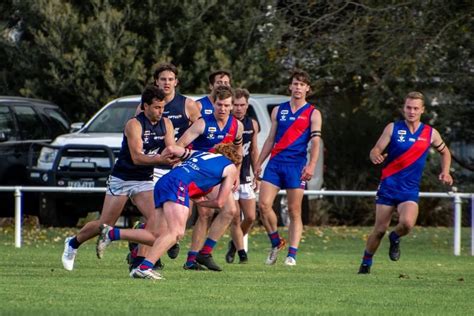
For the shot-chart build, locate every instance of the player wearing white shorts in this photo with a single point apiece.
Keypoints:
(144, 137)
(245, 195)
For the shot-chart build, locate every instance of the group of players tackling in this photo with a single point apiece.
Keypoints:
(176, 152)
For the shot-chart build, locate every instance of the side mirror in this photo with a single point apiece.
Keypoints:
(76, 126)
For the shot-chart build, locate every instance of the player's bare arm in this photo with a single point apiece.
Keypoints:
(191, 133)
(269, 142)
(133, 131)
(376, 154)
(230, 175)
(316, 125)
(438, 144)
(193, 109)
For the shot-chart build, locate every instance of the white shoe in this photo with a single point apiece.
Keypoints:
(290, 261)
(149, 274)
(103, 240)
(69, 254)
(273, 254)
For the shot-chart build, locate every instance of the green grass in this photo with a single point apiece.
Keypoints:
(428, 280)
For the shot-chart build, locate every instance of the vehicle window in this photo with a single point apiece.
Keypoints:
(6, 121)
(270, 108)
(30, 124)
(59, 123)
(113, 119)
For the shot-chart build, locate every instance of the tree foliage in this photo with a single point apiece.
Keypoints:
(364, 56)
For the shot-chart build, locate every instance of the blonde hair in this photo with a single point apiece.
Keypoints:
(229, 150)
(415, 95)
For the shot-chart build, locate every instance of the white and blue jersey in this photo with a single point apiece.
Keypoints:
(193, 178)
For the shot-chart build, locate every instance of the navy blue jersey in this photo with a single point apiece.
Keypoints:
(175, 110)
(207, 108)
(153, 137)
(247, 135)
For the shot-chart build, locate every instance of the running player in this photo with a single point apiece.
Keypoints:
(294, 124)
(199, 172)
(407, 143)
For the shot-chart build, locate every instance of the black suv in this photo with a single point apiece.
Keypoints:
(24, 122)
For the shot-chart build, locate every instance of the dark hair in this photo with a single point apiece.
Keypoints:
(222, 93)
(165, 67)
(301, 75)
(241, 93)
(220, 72)
(150, 93)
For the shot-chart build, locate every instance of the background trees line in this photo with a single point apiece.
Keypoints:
(363, 56)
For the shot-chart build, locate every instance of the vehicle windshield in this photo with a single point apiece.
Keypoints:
(113, 118)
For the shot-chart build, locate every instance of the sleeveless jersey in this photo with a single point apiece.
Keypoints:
(153, 137)
(207, 106)
(292, 134)
(175, 110)
(246, 145)
(406, 157)
(202, 171)
(213, 135)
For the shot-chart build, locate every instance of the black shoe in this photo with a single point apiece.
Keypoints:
(364, 269)
(208, 262)
(159, 265)
(230, 255)
(194, 266)
(394, 251)
(173, 252)
(243, 260)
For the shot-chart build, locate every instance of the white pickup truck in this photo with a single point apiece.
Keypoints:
(85, 158)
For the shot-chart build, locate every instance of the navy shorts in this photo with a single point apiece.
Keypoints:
(284, 175)
(171, 189)
(387, 196)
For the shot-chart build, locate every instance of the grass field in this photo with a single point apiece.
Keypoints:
(427, 280)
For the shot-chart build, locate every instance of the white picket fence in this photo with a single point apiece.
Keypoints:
(455, 196)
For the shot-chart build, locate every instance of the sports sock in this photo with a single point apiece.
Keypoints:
(74, 243)
(208, 246)
(394, 237)
(274, 239)
(242, 254)
(137, 261)
(114, 234)
(146, 265)
(367, 258)
(191, 258)
(292, 252)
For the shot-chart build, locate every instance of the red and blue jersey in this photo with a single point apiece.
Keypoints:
(293, 134)
(406, 157)
(207, 108)
(213, 135)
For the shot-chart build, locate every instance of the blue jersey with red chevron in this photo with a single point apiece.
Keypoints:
(213, 135)
(207, 108)
(406, 157)
(292, 134)
(200, 172)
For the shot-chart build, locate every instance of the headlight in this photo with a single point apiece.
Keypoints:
(47, 155)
